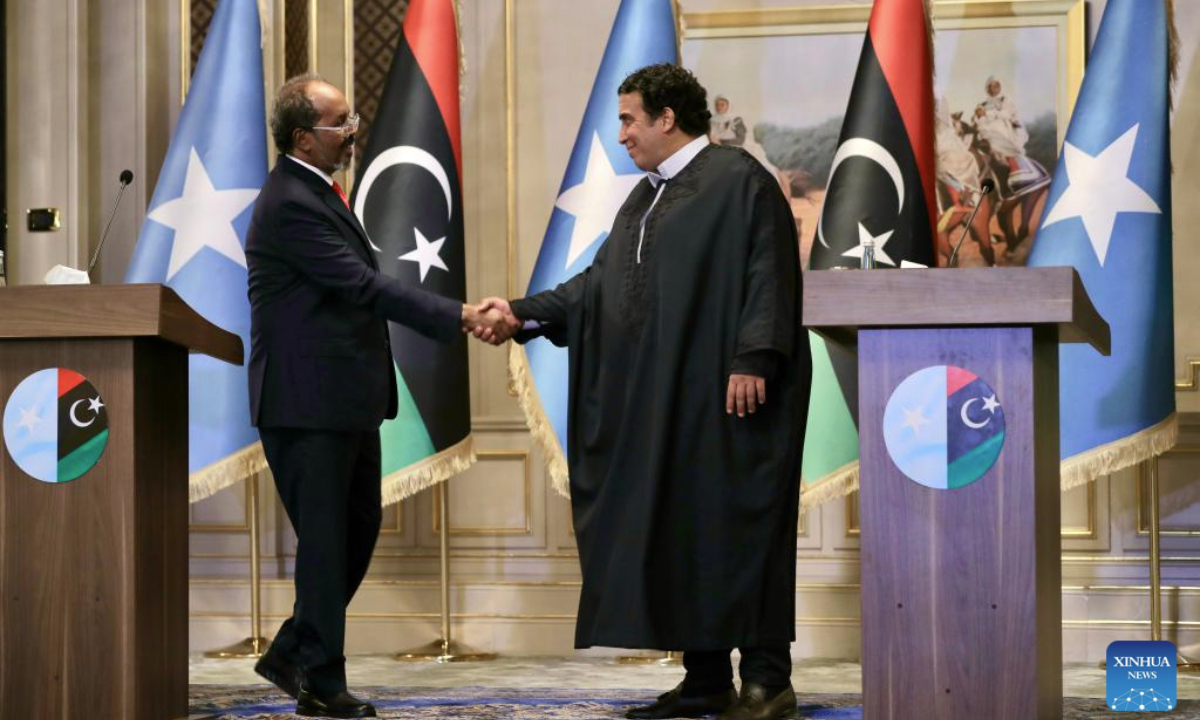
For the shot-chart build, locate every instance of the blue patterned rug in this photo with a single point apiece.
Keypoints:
(260, 702)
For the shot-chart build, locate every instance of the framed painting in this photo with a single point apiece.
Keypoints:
(1006, 78)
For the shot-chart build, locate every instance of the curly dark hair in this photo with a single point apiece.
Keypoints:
(293, 109)
(667, 85)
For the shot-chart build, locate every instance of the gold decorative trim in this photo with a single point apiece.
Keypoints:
(798, 20)
(510, 145)
(853, 529)
(1191, 381)
(313, 25)
(562, 617)
(522, 455)
(399, 529)
(185, 48)
(231, 528)
(1143, 526)
(1090, 531)
(1068, 16)
(348, 78)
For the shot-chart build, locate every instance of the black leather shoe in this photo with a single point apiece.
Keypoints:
(674, 704)
(340, 705)
(283, 674)
(753, 704)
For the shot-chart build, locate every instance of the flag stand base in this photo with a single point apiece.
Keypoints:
(671, 658)
(442, 651)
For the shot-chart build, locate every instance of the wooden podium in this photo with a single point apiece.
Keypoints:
(961, 587)
(93, 572)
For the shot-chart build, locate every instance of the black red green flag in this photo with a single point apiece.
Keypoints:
(408, 196)
(881, 186)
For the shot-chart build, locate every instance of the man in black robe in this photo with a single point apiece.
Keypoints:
(689, 384)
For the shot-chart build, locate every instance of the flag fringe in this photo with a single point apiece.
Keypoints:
(231, 470)
(837, 484)
(437, 468)
(1085, 467)
(520, 380)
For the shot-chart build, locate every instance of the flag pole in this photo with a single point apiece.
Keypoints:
(1182, 663)
(444, 649)
(255, 645)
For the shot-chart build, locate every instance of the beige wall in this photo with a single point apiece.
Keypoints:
(82, 110)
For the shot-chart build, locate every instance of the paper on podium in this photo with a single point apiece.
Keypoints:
(63, 275)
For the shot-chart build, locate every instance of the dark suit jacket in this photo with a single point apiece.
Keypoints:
(320, 354)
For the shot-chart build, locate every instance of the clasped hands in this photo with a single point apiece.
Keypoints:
(491, 321)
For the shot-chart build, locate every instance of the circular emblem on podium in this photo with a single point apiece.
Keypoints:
(943, 427)
(55, 425)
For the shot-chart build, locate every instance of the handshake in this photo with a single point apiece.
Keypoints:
(491, 321)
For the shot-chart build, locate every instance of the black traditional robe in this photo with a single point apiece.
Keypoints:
(686, 516)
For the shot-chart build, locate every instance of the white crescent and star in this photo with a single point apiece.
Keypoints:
(989, 404)
(871, 150)
(427, 254)
(94, 405)
(75, 418)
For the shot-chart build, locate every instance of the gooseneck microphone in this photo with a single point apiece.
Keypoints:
(984, 188)
(126, 178)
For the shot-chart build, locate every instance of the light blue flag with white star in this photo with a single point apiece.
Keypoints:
(1109, 216)
(599, 176)
(195, 232)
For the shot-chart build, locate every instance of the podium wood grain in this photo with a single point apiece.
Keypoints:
(93, 572)
(961, 589)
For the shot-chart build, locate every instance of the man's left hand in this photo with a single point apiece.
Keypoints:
(745, 394)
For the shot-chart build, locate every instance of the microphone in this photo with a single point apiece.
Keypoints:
(126, 178)
(984, 188)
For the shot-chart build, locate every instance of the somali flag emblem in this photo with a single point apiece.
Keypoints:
(55, 425)
(943, 427)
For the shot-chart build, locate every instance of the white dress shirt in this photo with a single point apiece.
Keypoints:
(667, 170)
(321, 173)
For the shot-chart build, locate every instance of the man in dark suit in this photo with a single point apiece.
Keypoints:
(322, 380)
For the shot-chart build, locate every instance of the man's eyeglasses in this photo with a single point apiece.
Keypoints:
(349, 128)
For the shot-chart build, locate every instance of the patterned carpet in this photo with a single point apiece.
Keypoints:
(242, 702)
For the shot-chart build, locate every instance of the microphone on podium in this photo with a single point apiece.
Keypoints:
(984, 188)
(62, 275)
(126, 178)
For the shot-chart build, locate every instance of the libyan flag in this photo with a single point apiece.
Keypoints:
(408, 196)
(881, 187)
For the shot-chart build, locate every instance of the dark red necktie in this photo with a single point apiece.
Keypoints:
(341, 193)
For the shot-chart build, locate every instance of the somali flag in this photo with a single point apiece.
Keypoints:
(1109, 217)
(599, 177)
(194, 235)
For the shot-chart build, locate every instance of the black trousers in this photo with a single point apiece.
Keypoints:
(329, 484)
(710, 671)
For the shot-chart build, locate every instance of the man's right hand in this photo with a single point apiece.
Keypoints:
(491, 321)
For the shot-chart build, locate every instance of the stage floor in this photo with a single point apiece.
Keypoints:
(809, 676)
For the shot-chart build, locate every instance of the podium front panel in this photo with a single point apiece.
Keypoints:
(961, 581)
(93, 572)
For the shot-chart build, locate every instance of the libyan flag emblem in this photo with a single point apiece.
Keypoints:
(55, 425)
